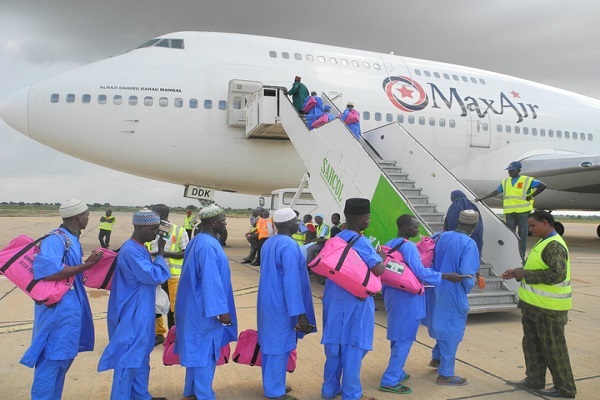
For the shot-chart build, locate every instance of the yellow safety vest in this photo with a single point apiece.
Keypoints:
(175, 236)
(107, 225)
(320, 229)
(552, 297)
(188, 222)
(515, 197)
(299, 238)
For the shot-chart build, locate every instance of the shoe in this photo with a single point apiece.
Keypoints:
(158, 339)
(159, 398)
(434, 363)
(451, 380)
(553, 392)
(246, 261)
(398, 389)
(523, 384)
(255, 264)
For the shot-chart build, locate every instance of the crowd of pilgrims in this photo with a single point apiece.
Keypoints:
(204, 305)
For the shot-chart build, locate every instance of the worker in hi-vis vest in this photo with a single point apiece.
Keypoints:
(106, 224)
(545, 296)
(518, 192)
(177, 241)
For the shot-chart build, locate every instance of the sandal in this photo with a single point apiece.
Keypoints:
(451, 380)
(434, 363)
(399, 389)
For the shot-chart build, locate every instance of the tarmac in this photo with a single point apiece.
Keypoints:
(488, 357)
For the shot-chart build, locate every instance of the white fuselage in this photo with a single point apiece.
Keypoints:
(178, 131)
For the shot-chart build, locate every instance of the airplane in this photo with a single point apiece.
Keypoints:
(173, 110)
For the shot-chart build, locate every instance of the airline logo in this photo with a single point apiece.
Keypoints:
(409, 96)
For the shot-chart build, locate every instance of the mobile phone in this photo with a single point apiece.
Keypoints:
(164, 229)
(466, 276)
(100, 252)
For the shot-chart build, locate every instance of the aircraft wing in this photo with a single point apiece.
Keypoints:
(568, 172)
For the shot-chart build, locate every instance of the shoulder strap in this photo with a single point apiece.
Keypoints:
(20, 253)
(396, 247)
(346, 251)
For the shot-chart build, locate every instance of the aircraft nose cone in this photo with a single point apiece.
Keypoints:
(13, 110)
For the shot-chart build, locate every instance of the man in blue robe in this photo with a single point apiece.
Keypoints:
(448, 305)
(351, 118)
(313, 108)
(66, 328)
(205, 309)
(406, 310)
(131, 310)
(349, 322)
(284, 307)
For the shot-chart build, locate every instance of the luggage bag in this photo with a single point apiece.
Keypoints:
(247, 351)
(170, 358)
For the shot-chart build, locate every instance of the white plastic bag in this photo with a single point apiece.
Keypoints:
(163, 304)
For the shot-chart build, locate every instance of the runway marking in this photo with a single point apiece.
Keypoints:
(27, 326)
(249, 290)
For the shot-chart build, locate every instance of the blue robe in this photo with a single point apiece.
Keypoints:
(204, 293)
(62, 331)
(404, 312)
(283, 294)
(460, 203)
(354, 127)
(131, 307)
(348, 325)
(314, 112)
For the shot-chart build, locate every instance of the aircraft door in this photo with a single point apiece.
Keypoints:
(240, 91)
(479, 130)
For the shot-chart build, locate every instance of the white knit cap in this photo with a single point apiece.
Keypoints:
(71, 208)
(283, 215)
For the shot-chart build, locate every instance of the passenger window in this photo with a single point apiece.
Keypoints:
(582, 136)
(298, 56)
(344, 62)
(590, 137)
(178, 102)
(455, 77)
(465, 79)
(163, 102)
(389, 117)
(499, 128)
(366, 115)
(567, 135)
(482, 81)
(101, 99)
(525, 131)
(427, 74)
(377, 116)
(574, 135)
(285, 55)
(400, 118)
(485, 127)
(517, 129)
(452, 123)
(355, 64)
(321, 59)
(431, 121)
(559, 134)
(86, 99)
(473, 80)
(70, 98)
(366, 65)
(310, 58)
(376, 66)
(421, 120)
(508, 128)
(446, 76)
(550, 133)
(542, 132)
(208, 104)
(442, 122)
(148, 101)
(411, 119)
(436, 74)
(333, 60)
(417, 72)
(273, 54)
(222, 105)
(533, 131)
(117, 99)
(133, 100)
(193, 103)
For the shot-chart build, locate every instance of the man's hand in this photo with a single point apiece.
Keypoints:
(452, 277)
(225, 319)
(517, 273)
(93, 259)
(161, 246)
(303, 325)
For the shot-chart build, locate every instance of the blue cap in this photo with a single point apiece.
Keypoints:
(326, 108)
(514, 165)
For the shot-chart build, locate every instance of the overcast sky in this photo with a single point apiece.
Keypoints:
(548, 41)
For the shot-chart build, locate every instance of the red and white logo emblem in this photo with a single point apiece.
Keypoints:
(405, 93)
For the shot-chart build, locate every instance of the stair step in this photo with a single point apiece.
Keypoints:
(477, 309)
(386, 163)
(486, 297)
(404, 184)
(417, 199)
(432, 217)
(424, 208)
(411, 191)
(491, 284)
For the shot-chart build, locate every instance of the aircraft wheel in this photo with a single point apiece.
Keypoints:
(560, 228)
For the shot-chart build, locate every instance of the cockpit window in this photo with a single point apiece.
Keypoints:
(169, 43)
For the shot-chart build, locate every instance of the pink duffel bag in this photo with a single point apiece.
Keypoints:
(101, 274)
(426, 249)
(247, 351)
(339, 262)
(397, 272)
(16, 263)
(170, 358)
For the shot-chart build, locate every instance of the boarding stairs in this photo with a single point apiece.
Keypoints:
(384, 166)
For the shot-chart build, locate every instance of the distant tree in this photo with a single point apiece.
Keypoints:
(191, 207)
